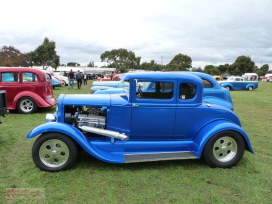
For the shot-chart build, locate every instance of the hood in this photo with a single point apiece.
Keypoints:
(84, 99)
(99, 100)
(110, 83)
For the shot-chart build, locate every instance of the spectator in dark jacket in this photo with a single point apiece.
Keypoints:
(71, 77)
(79, 79)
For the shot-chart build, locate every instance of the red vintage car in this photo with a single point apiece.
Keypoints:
(27, 89)
(115, 78)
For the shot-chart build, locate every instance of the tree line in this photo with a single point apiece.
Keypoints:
(123, 60)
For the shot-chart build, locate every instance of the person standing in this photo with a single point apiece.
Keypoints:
(79, 79)
(71, 77)
(85, 78)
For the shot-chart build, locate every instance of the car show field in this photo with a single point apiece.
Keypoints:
(189, 181)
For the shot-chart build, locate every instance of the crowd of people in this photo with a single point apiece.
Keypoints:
(80, 77)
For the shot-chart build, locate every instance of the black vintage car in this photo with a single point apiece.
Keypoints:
(3, 104)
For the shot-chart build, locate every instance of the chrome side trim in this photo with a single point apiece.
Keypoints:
(130, 158)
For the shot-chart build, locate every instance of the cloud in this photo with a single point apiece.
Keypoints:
(210, 32)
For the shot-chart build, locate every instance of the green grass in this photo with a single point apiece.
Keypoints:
(185, 181)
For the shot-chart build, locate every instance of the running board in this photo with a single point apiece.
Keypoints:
(130, 158)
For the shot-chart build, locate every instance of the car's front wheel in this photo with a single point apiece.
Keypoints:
(26, 105)
(54, 152)
(228, 88)
(225, 149)
(250, 88)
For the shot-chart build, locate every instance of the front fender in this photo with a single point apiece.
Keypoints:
(225, 84)
(75, 134)
(213, 128)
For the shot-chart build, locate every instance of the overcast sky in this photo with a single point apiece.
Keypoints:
(209, 31)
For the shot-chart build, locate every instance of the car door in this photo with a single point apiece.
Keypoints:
(153, 112)
(10, 81)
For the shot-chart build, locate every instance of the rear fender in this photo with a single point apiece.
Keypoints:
(39, 100)
(254, 86)
(211, 129)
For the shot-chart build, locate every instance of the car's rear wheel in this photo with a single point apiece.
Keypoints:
(54, 152)
(225, 149)
(26, 105)
(250, 88)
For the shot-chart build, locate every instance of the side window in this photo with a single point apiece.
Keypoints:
(187, 91)
(155, 90)
(237, 79)
(207, 84)
(10, 77)
(29, 77)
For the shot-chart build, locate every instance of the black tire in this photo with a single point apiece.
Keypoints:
(225, 149)
(228, 88)
(54, 152)
(250, 88)
(26, 105)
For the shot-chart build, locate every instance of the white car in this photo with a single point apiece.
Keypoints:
(64, 78)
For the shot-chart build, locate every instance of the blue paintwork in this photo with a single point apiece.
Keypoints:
(153, 125)
(214, 93)
(238, 83)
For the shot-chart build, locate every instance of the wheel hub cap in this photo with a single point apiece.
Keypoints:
(54, 153)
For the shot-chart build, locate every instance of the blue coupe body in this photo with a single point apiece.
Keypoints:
(212, 93)
(168, 122)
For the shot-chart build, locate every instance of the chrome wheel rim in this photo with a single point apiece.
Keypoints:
(224, 149)
(26, 105)
(54, 153)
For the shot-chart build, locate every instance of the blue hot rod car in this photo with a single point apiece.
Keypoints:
(167, 123)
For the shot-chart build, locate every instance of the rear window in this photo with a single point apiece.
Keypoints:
(187, 91)
(207, 84)
(10, 77)
(29, 77)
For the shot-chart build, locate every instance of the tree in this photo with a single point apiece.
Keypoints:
(242, 65)
(265, 68)
(73, 64)
(11, 57)
(223, 68)
(152, 65)
(194, 69)
(212, 70)
(91, 64)
(121, 59)
(45, 55)
(180, 63)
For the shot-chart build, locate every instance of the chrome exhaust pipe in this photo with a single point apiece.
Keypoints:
(104, 132)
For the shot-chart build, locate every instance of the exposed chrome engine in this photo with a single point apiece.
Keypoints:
(89, 116)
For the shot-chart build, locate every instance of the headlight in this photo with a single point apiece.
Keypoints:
(50, 118)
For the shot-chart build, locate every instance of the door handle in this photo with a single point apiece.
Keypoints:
(134, 105)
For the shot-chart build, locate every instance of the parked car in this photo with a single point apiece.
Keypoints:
(27, 89)
(3, 105)
(218, 78)
(64, 79)
(141, 126)
(238, 83)
(213, 92)
(115, 78)
(267, 79)
(55, 82)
